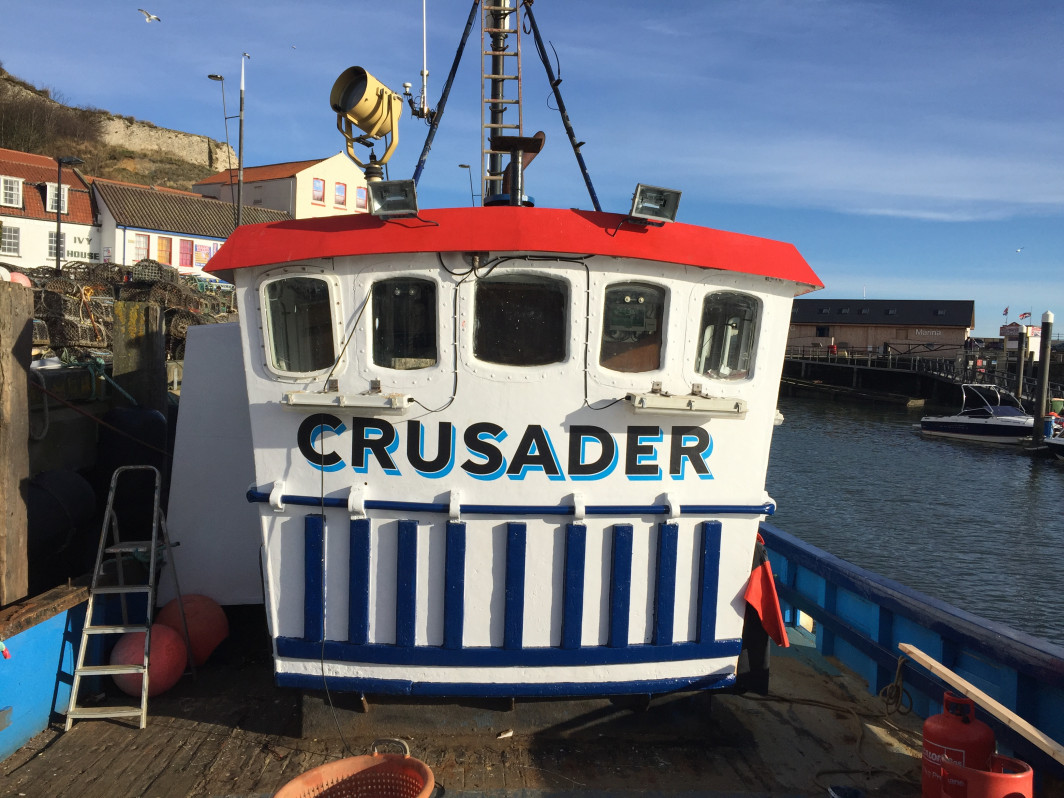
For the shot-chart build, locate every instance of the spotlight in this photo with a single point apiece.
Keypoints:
(362, 101)
(654, 205)
(393, 198)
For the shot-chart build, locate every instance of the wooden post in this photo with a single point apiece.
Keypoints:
(1044, 354)
(139, 365)
(16, 346)
(1021, 361)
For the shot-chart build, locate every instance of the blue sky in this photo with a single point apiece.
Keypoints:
(909, 149)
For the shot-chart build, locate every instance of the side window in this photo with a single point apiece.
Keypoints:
(631, 327)
(299, 325)
(727, 336)
(404, 324)
(521, 320)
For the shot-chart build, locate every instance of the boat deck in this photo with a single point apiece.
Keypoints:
(231, 732)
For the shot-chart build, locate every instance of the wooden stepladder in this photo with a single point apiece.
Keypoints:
(114, 550)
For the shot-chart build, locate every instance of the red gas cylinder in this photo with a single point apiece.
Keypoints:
(958, 735)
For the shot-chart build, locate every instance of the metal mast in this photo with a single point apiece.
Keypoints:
(500, 69)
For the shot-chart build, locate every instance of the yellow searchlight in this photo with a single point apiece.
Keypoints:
(362, 101)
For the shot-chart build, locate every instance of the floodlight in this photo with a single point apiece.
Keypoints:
(362, 101)
(654, 205)
(392, 197)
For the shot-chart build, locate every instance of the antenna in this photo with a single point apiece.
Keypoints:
(420, 109)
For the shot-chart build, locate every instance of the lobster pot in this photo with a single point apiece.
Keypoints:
(404, 604)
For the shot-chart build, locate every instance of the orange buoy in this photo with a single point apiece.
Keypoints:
(954, 734)
(166, 662)
(20, 279)
(207, 623)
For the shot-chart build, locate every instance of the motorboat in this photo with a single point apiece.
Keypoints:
(987, 413)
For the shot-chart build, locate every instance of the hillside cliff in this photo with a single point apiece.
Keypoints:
(112, 146)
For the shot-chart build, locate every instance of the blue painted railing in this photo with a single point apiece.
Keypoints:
(860, 618)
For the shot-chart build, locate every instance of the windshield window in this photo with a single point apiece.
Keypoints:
(727, 337)
(520, 320)
(404, 324)
(299, 324)
(631, 327)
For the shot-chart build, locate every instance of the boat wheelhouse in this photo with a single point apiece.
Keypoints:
(507, 450)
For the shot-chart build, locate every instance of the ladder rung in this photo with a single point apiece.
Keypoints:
(103, 712)
(501, 126)
(129, 546)
(109, 670)
(121, 589)
(500, 101)
(113, 630)
(499, 52)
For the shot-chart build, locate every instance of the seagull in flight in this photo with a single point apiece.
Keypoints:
(1020, 249)
(149, 17)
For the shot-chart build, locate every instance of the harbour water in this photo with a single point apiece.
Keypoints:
(980, 526)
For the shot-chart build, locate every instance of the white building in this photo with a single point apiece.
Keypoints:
(28, 221)
(305, 189)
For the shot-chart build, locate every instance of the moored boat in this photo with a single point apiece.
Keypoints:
(987, 413)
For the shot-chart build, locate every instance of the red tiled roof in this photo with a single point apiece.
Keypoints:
(277, 171)
(36, 171)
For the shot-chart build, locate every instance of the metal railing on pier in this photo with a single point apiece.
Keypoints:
(982, 366)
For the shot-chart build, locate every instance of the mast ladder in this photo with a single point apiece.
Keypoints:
(113, 550)
(500, 68)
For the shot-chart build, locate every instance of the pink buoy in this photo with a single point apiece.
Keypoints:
(207, 624)
(21, 279)
(166, 661)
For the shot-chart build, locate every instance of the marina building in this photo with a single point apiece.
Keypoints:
(898, 326)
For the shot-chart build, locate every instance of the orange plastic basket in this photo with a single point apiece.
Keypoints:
(373, 775)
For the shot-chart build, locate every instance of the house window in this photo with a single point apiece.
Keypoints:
(340, 196)
(865, 311)
(824, 311)
(140, 247)
(940, 312)
(299, 326)
(844, 311)
(892, 311)
(317, 191)
(727, 338)
(362, 198)
(11, 192)
(404, 324)
(823, 332)
(51, 197)
(165, 247)
(521, 320)
(631, 327)
(9, 240)
(185, 252)
(51, 244)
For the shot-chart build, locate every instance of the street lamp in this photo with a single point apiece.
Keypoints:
(469, 171)
(66, 161)
(240, 145)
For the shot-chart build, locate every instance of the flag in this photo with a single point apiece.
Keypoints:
(1006, 313)
(1025, 315)
(761, 595)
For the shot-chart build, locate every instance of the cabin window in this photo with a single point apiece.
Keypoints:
(404, 324)
(520, 320)
(631, 327)
(726, 339)
(299, 324)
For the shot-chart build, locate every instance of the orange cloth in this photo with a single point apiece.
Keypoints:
(761, 595)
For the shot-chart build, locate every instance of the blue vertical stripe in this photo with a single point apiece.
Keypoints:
(454, 586)
(358, 583)
(514, 618)
(620, 585)
(665, 587)
(573, 602)
(710, 577)
(313, 578)
(406, 584)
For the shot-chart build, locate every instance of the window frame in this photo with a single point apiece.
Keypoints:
(182, 252)
(65, 198)
(18, 190)
(11, 233)
(317, 197)
(169, 259)
(372, 319)
(340, 195)
(663, 322)
(51, 245)
(525, 274)
(751, 337)
(335, 322)
(141, 246)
